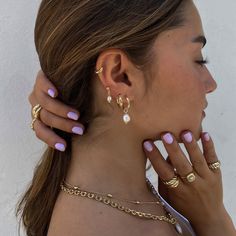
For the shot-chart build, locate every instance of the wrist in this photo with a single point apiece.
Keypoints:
(218, 224)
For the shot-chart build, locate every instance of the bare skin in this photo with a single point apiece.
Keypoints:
(110, 156)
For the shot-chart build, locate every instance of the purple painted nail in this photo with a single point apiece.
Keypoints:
(168, 138)
(148, 146)
(72, 115)
(78, 130)
(188, 137)
(206, 137)
(51, 93)
(60, 147)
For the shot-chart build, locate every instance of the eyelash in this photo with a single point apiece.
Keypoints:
(203, 62)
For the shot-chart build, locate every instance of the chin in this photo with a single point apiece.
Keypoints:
(198, 134)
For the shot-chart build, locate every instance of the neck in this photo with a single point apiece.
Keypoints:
(112, 161)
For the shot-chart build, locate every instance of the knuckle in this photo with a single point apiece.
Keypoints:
(175, 150)
(42, 100)
(37, 133)
(194, 148)
(211, 155)
(46, 117)
(38, 76)
(67, 125)
(47, 140)
(183, 166)
(43, 115)
(198, 162)
(210, 146)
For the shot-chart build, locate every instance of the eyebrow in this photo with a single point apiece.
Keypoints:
(200, 39)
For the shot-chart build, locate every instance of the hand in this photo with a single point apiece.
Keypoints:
(200, 201)
(54, 114)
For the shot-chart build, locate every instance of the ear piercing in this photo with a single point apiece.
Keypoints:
(119, 100)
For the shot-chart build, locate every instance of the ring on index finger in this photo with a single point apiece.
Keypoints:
(173, 183)
(35, 113)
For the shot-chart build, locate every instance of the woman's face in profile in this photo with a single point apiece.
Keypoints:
(177, 97)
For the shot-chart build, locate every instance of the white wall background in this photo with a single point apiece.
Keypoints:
(19, 148)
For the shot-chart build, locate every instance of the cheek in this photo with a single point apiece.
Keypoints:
(180, 94)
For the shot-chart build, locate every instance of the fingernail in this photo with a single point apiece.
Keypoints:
(51, 93)
(72, 115)
(78, 130)
(148, 146)
(206, 137)
(188, 137)
(60, 147)
(168, 138)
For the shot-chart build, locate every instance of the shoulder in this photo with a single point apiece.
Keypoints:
(72, 215)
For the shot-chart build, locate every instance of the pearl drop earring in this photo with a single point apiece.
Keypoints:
(119, 100)
(109, 98)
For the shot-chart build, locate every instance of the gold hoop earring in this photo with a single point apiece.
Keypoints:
(119, 101)
(109, 98)
(126, 117)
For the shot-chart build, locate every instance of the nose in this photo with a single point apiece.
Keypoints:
(211, 84)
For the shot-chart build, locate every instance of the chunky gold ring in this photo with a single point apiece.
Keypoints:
(35, 113)
(173, 183)
(214, 166)
(191, 177)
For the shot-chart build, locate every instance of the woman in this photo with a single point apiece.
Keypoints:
(135, 72)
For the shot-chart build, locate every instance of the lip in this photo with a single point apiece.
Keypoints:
(203, 114)
(206, 105)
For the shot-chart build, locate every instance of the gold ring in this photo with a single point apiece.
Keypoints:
(173, 183)
(35, 113)
(214, 166)
(191, 177)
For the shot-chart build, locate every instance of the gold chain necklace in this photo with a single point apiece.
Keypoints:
(75, 190)
(109, 195)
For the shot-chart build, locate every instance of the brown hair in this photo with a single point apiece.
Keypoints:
(69, 36)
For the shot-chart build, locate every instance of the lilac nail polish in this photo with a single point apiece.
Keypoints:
(168, 138)
(206, 137)
(188, 137)
(77, 130)
(72, 115)
(148, 146)
(51, 93)
(60, 147)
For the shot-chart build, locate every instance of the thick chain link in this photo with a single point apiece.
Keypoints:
(72, 191)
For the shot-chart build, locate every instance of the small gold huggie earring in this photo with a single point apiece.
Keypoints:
(99, 71)
(119, 101)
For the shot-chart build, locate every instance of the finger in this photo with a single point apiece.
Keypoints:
(176, 155)
(61, 123)
(162, 189)
(45, 85)
(32, 101)
(164, 170)
(40, 95)
(57, 107)
(48, 136)
(195, 154)
(208, 148)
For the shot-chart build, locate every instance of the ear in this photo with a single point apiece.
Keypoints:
(119, 73)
